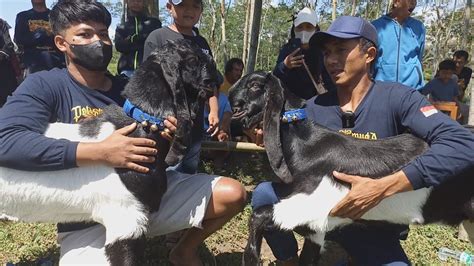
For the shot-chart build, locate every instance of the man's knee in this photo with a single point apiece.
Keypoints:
(231, 193)
(263, 194)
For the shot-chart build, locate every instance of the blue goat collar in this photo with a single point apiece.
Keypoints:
(293, 116)
(140, 116)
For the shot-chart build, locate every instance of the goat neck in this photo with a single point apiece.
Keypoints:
(274, 105)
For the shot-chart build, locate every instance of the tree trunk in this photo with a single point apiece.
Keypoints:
(245, 48)
(334, 7)
(467, 18)
(212, 34)
(223, 29)
(354, 7)
(468, 45)
(256, 13)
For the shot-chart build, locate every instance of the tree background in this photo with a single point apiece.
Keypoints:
(224, 23)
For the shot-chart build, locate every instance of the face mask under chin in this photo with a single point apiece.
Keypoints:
(304, 36)
(94, 56)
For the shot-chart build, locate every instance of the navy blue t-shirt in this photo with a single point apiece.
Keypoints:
(389, 109)
(47, 97)
(440, 91)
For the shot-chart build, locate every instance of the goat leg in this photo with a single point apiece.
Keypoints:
(126, 252)
(260, 220)
(310, 253)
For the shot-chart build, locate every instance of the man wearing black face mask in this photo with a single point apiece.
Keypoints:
(200, 202)
(69, 95)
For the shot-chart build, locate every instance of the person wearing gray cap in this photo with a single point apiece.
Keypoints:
(369, 109)
(300, 69)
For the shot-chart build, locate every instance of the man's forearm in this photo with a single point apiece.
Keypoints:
(396, 183)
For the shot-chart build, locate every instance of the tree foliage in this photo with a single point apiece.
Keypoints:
(445, 23)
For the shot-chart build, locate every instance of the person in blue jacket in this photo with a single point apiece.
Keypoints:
(80, 91)
(401, 46)
(300, 69)
(379, 110)
(130, 36)
(34, 37)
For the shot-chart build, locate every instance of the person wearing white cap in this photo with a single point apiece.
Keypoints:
(299, 68)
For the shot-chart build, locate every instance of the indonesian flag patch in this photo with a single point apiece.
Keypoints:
(428, 110)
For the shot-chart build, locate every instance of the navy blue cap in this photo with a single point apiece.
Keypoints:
(347, 27)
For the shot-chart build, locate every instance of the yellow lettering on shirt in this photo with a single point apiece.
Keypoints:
(34, 25)
(80, 112)
(367, 135)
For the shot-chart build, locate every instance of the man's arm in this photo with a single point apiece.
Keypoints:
(366, 193)
(451, 145)
(27, 114)
(23, 120)
(449, 154)
(213, 117)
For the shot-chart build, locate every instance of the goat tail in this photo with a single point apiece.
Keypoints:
(260, 220)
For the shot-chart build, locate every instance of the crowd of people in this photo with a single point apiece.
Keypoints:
(372, 71)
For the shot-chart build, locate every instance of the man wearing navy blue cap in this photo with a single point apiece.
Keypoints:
(375, 110)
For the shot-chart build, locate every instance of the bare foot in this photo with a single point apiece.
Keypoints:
(187, 257)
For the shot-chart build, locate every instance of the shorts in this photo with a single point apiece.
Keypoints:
(183, 206)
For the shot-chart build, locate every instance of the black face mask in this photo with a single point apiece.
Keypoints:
(93, 56)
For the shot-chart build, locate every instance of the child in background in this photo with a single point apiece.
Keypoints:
(443, 88)
(186, 14)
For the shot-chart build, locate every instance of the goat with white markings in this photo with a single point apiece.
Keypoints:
(174, 81)
(304, 155)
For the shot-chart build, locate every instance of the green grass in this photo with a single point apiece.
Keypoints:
(26, 243)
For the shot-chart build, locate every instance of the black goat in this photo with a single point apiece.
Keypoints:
(174, 81)
(304, 155)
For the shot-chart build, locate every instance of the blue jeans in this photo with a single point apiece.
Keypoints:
(189, 164)
(365, 245)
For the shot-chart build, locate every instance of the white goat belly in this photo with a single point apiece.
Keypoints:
(313, 209)
(309, 209)
(64, 195)
(401, 208)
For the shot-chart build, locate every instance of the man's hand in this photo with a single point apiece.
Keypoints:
(119, 151)
(222, 135)
(213, 123)
(170, 128)
(366, 193)
(292, 60)
(256, 135)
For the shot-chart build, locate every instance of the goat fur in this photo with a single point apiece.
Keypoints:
(303, 155)
(174, 81)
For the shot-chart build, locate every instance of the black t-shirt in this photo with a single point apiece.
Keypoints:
(158, 38)
(33, 34)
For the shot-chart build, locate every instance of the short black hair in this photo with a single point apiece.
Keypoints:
(68, 12)
(447, 64)
(461, 53)
(365, 44)
(230, 64)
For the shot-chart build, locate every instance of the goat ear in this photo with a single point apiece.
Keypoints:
(275, 101)
(182, 136)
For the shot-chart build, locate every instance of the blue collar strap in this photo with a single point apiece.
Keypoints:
(293, 116)
(137, 114)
